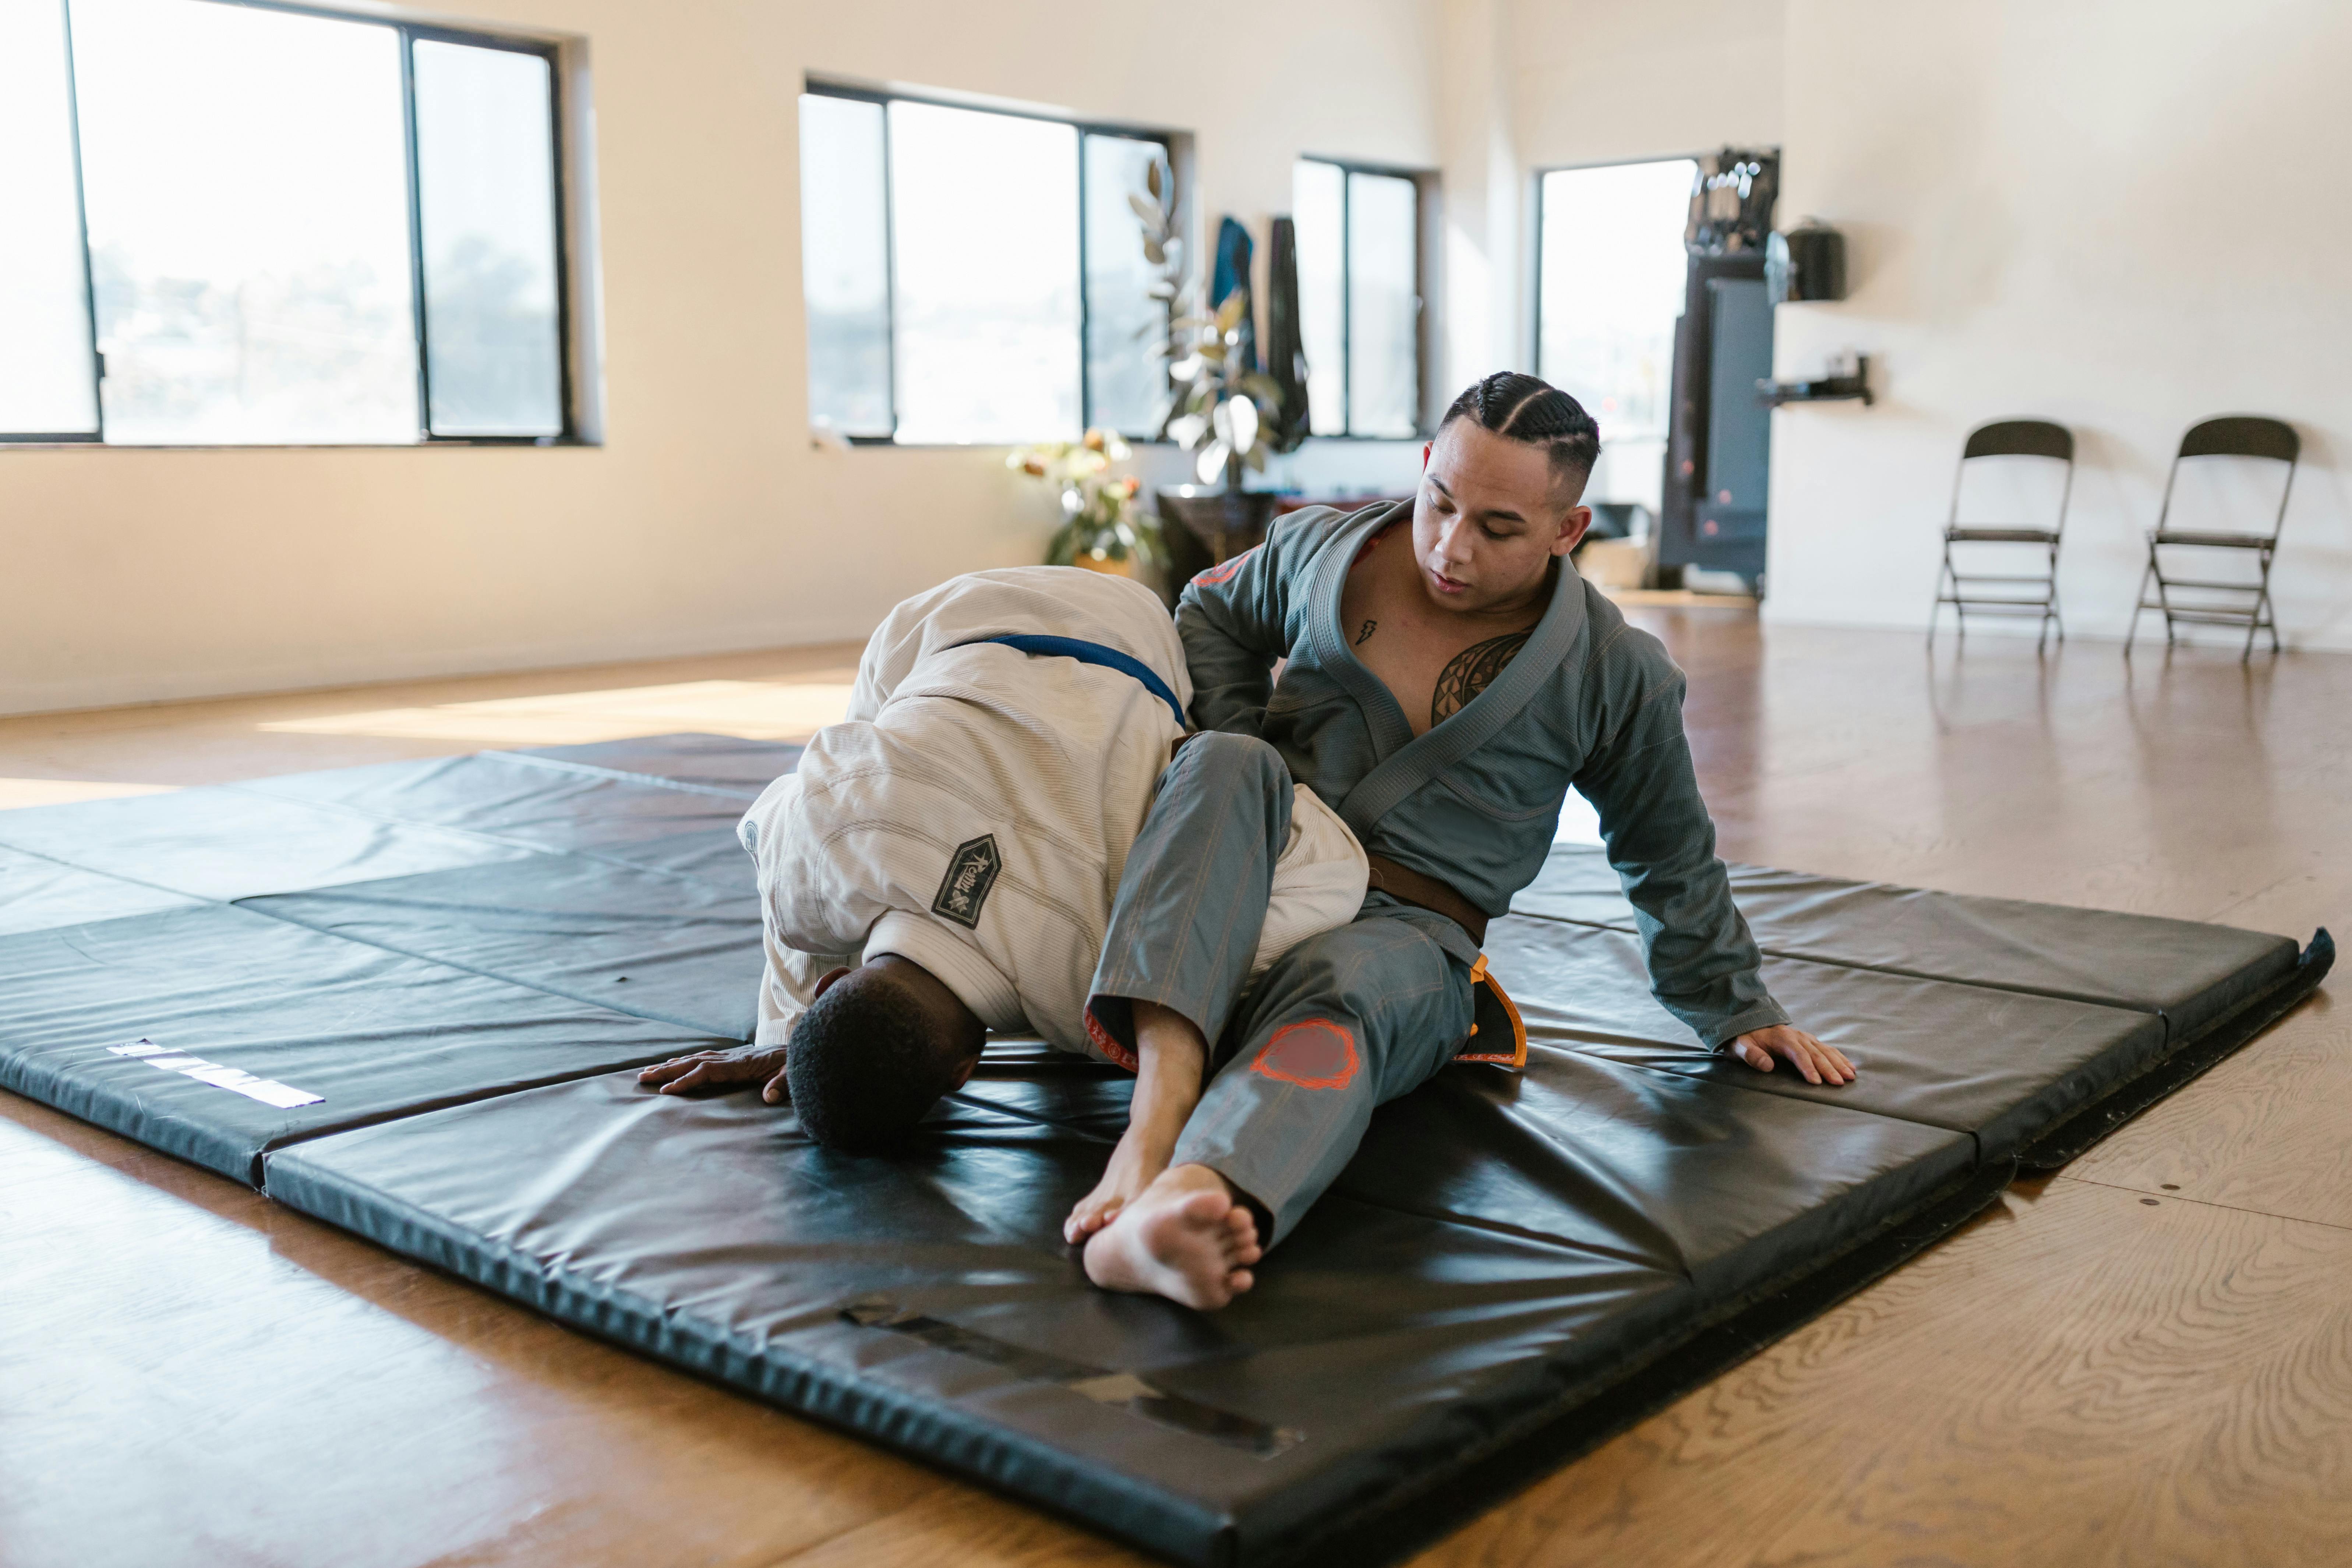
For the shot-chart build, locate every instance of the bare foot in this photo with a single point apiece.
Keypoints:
(1135, 1164)
(1184, 1238)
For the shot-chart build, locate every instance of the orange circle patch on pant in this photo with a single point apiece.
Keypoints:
(1316, 1053)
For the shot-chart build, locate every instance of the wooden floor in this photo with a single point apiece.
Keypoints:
(2145, 1360)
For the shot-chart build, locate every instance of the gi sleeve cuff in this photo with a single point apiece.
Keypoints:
(1762, 1015)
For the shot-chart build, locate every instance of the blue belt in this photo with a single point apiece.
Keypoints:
(1092, 653)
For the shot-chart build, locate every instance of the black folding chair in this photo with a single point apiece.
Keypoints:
(2006, 439)
(2232, 436)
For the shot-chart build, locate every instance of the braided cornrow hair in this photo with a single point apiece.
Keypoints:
(1522, 408)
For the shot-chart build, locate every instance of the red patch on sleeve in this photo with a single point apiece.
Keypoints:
(1108, 1043)
(1316, 1054)
(1223, 571)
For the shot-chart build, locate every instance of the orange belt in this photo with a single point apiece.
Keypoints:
(1497, 1032)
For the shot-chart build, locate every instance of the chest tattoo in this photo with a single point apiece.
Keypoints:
(1470, 672)
(1365, 633)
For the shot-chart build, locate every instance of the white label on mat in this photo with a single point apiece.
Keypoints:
(269, 1091)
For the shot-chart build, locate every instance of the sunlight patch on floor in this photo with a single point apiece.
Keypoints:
(752, 709)
(14, 792)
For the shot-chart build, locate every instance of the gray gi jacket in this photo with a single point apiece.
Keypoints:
(1588, 700)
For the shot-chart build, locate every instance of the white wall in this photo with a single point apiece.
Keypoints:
(1598, 81)
(705, 521)
(2117, 214)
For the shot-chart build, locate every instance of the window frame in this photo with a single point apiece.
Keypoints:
(826, 87)
(1422, 180)
(410, 34)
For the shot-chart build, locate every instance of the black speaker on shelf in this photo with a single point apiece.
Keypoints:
(1806, 263)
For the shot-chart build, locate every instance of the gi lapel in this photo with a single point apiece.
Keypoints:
(1444, 744)
(1391, 731)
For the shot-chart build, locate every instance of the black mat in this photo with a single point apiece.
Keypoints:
(38, 893)
(230, 842)
(375, 1034)
(1513, 1267)
(679, 949)
(2187, 972)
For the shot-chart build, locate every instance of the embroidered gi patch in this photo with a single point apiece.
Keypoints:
(1316, 1053)
(1223, 571)
(971, 872)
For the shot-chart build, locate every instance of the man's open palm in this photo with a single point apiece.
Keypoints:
(1819, 1063)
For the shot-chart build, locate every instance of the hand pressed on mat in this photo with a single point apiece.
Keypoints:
(762, 1064)
(1819, 1063)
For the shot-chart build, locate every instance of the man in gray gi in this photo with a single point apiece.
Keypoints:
(1448, 677)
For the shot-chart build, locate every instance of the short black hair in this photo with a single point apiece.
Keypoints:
(1522, 408)
(866, 1062)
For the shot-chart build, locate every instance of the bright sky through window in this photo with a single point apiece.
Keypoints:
(1611, 289)
(485, 159)
(48, 384)
(984, 220)
(246, 177)
(1358, 299)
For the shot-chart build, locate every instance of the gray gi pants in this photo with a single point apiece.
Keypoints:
(1340, 1023)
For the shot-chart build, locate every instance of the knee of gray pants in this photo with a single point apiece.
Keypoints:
(1214, 758)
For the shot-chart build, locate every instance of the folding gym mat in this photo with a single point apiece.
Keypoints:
(474, 926)
(267, 1032)
(1516, 1266)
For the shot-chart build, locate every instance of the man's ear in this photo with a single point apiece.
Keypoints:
(825, 982)
(1571, 530)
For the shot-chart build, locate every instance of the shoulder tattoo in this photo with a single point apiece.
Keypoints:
(1369, 626)
(1470, 672)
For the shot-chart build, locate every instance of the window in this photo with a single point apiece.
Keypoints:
(1609, 288)
(1359, 297)
(247, 225)
(973, 275)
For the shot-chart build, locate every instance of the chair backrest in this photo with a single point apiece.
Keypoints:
(2242, 436)
(2020, 438)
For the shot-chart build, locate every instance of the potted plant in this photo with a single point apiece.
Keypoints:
(1221, 405)
(1101, 529)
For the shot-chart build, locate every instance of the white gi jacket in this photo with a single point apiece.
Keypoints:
(974, 811)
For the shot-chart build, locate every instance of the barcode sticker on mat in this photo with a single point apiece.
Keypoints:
(269, 1091)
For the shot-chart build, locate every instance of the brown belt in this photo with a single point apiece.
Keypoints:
(1411, 887)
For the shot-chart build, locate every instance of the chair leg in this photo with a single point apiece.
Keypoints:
(2163, 595)
(1936, 611)
(2139, 602)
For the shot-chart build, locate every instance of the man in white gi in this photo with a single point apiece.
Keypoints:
(943, 862)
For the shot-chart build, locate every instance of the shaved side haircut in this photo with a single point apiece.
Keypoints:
(1521, 409)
